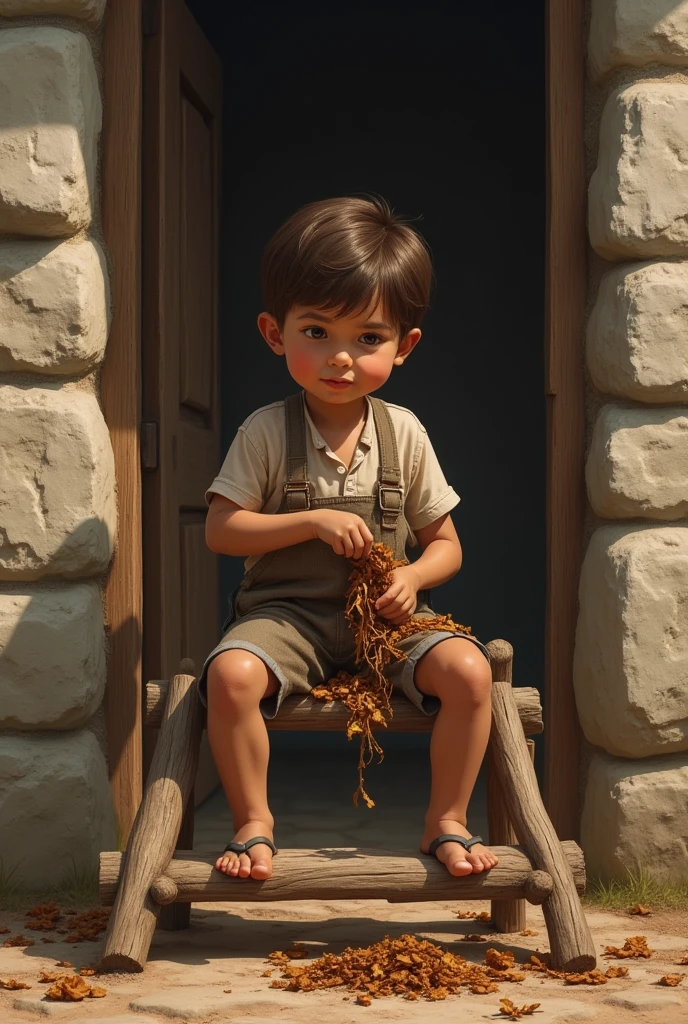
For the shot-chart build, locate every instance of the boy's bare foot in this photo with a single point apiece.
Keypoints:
(256, 862)
(458, 861)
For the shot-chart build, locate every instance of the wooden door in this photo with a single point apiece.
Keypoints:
(182, 133)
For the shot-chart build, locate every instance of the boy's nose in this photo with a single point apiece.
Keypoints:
(340, 359)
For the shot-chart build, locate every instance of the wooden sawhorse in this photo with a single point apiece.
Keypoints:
(152, 873)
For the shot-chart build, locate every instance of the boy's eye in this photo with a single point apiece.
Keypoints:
(370, 339)
(316, 333)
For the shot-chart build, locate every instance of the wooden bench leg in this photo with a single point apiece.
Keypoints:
(156, 829)
(507, 915)
(176, 916)
(571, 944)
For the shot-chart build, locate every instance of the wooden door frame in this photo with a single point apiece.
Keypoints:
(565, 291)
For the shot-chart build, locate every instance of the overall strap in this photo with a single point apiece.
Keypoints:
(297, 490)
(390, 491)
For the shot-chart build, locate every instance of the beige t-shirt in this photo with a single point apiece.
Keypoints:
(254, 470)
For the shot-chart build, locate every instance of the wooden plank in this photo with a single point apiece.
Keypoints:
(565, 305)
(348, 874)
(155, 830)
(302, 712)
(120, 390)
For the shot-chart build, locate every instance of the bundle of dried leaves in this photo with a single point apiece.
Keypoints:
(13, 984)
(473, 915)
(407, 966)
(367, 694)
(18, 940)
(73, 988)
(635, 946)
(671, 979)
(43, 918)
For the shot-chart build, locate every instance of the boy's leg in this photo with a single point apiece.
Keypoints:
(236, 683)
(451, 674)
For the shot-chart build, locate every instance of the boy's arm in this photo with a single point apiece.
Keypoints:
(442, 555)
(233, 530)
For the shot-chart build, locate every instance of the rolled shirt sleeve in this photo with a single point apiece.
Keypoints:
(243, 477)
(429, 496)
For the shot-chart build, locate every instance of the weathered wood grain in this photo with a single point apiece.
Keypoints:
(348, 874)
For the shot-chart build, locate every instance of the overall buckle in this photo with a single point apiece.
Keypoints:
(397, 504)
(299, 488)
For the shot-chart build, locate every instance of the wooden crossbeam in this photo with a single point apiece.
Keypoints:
(347, 874)
(302, 712)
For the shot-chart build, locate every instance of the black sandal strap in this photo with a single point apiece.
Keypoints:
(235, 847)
(461, 840)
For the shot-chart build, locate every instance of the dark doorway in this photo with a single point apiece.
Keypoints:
(440, 110)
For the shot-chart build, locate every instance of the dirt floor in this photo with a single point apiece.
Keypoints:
(214, 972)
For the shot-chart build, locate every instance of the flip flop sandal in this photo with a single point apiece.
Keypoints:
(461, 840)
(243, 847)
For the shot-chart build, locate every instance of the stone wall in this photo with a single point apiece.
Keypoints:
(57, 483)
(631, 661)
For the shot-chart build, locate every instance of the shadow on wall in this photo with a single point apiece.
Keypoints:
(55, 800)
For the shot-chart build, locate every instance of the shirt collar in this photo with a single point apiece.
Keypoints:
(366, 437)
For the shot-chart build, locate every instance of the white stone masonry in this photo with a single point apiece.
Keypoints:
(638, 196)
(637, 32)
(50, 117)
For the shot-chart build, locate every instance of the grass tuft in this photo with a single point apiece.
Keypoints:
(636, 887)
(78, 888)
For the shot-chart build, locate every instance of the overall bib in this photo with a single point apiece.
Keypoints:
(290, 607)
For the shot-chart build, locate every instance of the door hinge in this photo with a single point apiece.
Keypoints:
(149, 444)
(149, 17)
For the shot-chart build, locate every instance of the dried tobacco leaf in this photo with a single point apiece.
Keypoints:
(19, 940)
(499, 960)
(474, 937)
(635, 946)
(43, 917)
(671, 979)
(528, 931)
(616, 972)
(640, 909)
(4, 931)
(512, 1012)
(68, 988)
(13, 984)
(683, 960)
(473, 915)
(367, 694)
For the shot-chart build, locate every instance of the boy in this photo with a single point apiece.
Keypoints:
(346, 284)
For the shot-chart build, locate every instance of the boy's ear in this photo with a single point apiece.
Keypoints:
(407, 345)
(267, 325)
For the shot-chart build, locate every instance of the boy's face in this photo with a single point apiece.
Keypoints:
(338, 359)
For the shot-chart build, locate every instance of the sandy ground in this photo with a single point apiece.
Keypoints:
(213, 972)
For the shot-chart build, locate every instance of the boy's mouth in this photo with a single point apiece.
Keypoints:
(337, 382)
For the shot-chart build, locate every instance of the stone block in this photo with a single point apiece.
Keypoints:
(637, 339)
(638, 196)
(52, 655)
(635, 815)
(57, 484)
(637, 32)
(54, 306)
(56, 812)
(50, 118)
(638, 463)
(631, 655)
(85, 10)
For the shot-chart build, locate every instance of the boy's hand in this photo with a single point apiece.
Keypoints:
(346, 533)
(398, 603)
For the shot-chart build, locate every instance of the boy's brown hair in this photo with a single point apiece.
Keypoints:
(346, 254)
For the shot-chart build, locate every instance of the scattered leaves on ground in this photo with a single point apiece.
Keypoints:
(474, 937)
(19, 940)
(635, 946)
(640, 909)
(73, 988)
(367, 693)
(671, 979)
(406, 966)
(592, 977)
(12, 984)
(4, 931)
(528, 931)
(43, 917)
(87, 927)
(512, 1012)
(467, 915)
